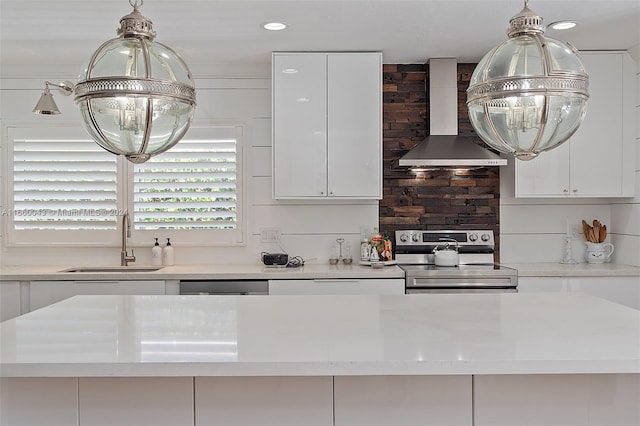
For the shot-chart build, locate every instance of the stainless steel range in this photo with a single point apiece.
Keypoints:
(476, 272)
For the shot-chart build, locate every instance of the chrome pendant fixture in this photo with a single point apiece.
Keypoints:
(136, 96)
(529, 94)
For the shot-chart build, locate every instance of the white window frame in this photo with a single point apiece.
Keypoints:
(111, 238)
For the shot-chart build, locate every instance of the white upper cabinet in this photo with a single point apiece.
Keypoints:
(327, 125)
(299, 125)
(598, 160)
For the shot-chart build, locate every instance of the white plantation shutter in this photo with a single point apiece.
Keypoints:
(191, 186)
(64, 189)
(62, 181)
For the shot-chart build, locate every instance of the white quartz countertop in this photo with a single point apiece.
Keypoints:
(308, 271)
(212, 272)
(578, 270)
(495, 333)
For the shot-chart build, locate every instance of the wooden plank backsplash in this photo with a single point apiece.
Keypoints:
(442, 199)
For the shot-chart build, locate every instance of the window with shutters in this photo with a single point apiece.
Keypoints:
(195, 186)
(61, 188)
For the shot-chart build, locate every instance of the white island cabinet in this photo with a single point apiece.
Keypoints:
(598, 160)
(557, 400)
(258, 401)
(327, 125)
(440, 359)
(403, 400)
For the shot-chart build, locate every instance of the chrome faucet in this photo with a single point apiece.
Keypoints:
(125, 258)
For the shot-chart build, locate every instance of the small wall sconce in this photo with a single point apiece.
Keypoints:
(46, 105)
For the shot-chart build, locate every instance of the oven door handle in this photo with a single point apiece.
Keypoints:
(496, 282)
(460, 290)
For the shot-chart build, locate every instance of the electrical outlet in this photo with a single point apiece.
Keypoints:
(269, 235)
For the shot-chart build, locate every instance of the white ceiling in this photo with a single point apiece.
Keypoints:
(214, 32)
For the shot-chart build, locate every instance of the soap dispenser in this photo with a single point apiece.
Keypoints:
(156, 254)
(167, 254)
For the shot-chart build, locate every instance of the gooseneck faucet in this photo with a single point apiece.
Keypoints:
(125, 258)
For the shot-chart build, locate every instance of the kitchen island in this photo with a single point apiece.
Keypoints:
(482, 359)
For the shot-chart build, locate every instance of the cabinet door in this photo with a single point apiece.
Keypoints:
(596, 147)
(622, 290)
(45, 293)
(355, 125)
(264, 401)
(336, 286)
(143, 401)
(9, 299)
(598, 159)
(545, 176)
(542, 284)
(556, 399)
(32, 401)
(299, 125)
(403, 400)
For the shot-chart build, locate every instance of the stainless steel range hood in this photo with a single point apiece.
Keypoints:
(444, 148)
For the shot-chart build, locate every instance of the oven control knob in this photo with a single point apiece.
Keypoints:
(403, 238)
(486, 237)
(415, 238)
(473, 237)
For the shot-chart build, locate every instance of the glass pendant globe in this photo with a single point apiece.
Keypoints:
(136, 96)
(529, 94)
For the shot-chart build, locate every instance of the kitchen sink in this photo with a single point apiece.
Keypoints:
(113, 269)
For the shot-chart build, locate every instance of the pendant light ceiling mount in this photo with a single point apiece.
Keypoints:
(136, 96)
(528, 94)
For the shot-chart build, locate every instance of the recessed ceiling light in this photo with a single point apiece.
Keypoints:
(562, 25)
(274, 26)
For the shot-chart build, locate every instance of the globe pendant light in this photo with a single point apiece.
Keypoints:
(529, 94)
(136, 96)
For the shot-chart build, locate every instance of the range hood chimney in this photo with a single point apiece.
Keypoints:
(444, 148)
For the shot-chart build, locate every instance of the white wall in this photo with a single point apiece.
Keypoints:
(531, 230)
(626, 213)
(308, 229)
(534, 230)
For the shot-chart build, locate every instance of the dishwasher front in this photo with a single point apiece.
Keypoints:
(224, 287)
